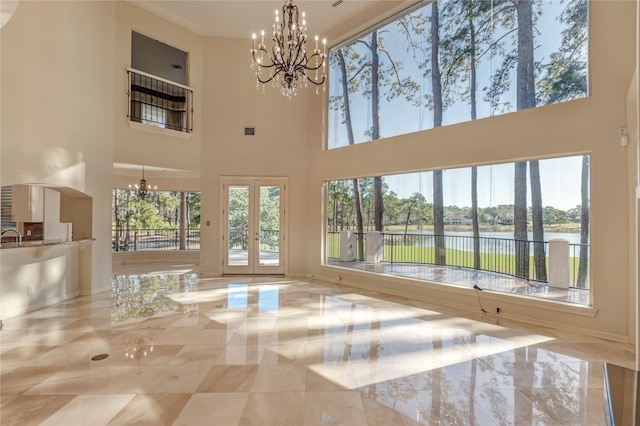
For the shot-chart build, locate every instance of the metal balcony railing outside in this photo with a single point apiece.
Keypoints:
(153, 239)
(497, 255)
(158, 102)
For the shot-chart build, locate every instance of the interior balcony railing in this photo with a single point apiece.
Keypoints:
(498, 255)
(158, 102)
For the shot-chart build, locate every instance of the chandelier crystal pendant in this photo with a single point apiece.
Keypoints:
(142, 189)
(286, 61)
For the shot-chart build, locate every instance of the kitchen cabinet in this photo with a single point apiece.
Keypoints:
(27, 203)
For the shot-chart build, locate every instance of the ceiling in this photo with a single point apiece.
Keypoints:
(241, 18)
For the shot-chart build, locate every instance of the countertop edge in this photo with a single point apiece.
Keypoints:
(44, 243)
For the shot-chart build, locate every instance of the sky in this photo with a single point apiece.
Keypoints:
(559, 179)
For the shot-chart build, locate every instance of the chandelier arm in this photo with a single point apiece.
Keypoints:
(267, 80)
(317, 83)
(313, 67)
(273, 63)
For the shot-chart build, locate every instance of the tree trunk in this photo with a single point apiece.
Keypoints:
(406, 223)
(183, 221)
(438, 219)
(583, 269)
(474, 170)
(378, 208)
(520, 220)
(474, 217)
(436, 83)
(539, 257)
(356, 187)
(335, 212)
(359, 223)
(526, 98)
(526, 92)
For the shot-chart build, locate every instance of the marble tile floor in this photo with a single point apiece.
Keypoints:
(278, 351)
(468, 277)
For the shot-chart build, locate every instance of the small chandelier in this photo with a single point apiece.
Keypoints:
(287, 59)
(142, 189)
(138, 348)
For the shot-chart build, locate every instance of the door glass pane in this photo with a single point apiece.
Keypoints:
(238, 226)
(269, 226)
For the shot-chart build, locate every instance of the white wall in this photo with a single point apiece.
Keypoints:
(58, 97)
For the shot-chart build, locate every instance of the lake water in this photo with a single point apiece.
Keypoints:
(572, 237)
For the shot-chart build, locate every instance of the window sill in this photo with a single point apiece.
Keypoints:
(447, 293)
(158, 130)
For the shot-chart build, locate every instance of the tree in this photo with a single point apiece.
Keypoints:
(415, 200)
(238, 218)
(436, 86)
(369, 72)
(375, 130)
(583, 269)
(565, 79)
(525, 98)
(474, 218)
(472, 22)
(566, 73)
(520, 220)
(345, 105)
(539, 257)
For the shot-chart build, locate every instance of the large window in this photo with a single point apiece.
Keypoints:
(162, 220)
(453, 61)
(496, 218)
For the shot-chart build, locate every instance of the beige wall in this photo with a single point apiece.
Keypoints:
(58, 109)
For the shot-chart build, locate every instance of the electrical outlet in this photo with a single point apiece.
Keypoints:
(30, 289)
(498, 310)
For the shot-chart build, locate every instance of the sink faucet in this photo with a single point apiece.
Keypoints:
(11, 233)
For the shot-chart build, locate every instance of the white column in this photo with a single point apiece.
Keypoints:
(559, 263)
(347, 246)
(375, 247)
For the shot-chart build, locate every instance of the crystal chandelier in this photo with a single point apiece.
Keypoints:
(286, 61)
(142, 189)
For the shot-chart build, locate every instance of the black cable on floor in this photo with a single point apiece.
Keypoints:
(477, 288)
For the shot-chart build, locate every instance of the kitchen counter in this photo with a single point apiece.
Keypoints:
(43, 243)
(35, 274)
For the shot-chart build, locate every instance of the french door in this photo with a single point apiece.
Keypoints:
(253, 225)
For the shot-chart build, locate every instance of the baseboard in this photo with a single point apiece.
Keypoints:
(468, 303)
(36, 306)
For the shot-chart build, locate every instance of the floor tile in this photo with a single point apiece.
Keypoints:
(92, 410)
